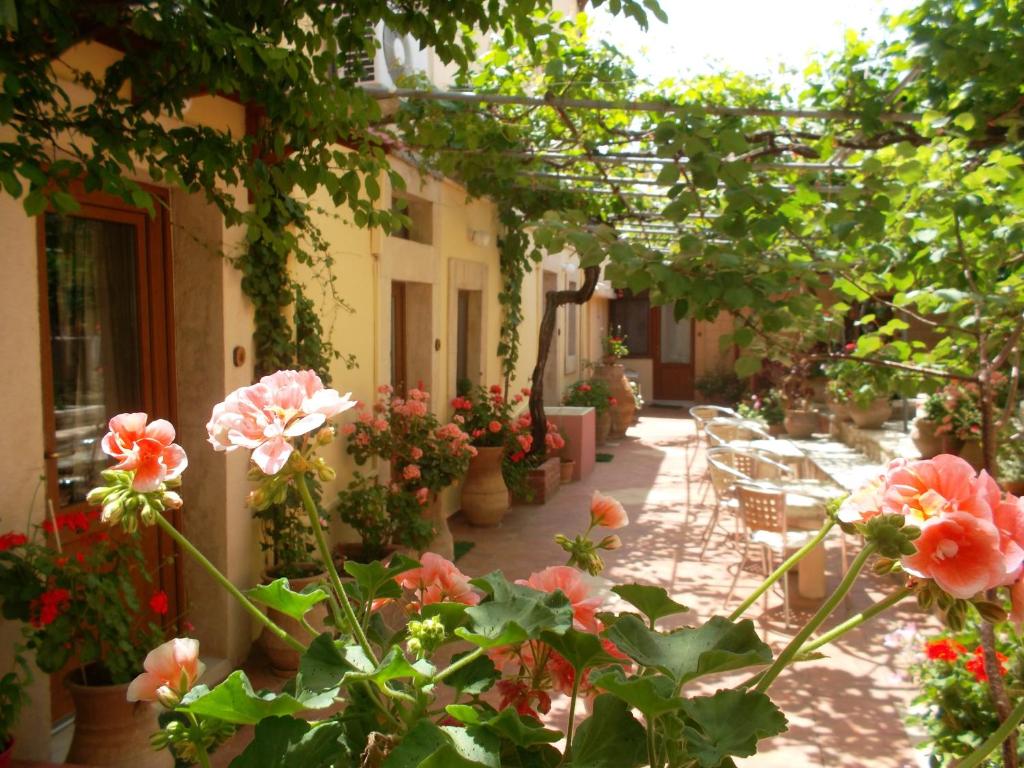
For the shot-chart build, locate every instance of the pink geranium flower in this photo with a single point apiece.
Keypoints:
(148, 450)
(171, 671)
(921, 490)
(961, 552)
(265, 416)
(607, 512)
(572, 584)
(438, 580)
(864, 503)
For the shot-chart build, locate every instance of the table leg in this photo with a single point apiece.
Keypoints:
(811, 574)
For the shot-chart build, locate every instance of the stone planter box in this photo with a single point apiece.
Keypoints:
(544, 481)
(578, 426)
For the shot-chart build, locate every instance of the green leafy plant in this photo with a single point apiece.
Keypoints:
(592, 393)
(385, 517)
(720, 386)
(954, 706)
(12, 699)
(765, 406)
(615, 344)
(84, 605)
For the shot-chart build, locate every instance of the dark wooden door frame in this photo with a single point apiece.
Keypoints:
(687, 391)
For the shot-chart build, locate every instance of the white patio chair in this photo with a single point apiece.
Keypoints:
(723, 478)
(762, 509)
(720, 431)
(701, 415)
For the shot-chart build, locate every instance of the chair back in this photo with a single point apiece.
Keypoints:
(723, 476)
(759, 466)
(724, 430)
(763, 507)
(705, 413)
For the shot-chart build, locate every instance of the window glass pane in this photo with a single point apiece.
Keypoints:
(94, 341)
(675, 337)
(633, 315)
(462, 344)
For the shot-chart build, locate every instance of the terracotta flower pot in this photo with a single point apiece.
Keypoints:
(928, 444)
(801, 424)
(110, 730)
(624, 410)
(840, 410)
(873, 416)
(284, 660)
(972, 453)
(818, 386)
(484, 494)
(602, 426)
(568, 467)
(6, 751)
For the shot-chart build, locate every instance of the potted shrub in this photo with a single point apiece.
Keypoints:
(719, 388)
(767, 408)
(837, 397)
(12, 699)
(86, 608)
(799, 416)
(927, 433)
(424, 456)
(386, 517)
(613, 374)
(869, 390)
(593, 393)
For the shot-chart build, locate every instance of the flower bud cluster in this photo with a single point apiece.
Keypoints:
(123, 504)
(425, 636)
(182, 738)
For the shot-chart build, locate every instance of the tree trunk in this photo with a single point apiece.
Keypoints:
(552, 301)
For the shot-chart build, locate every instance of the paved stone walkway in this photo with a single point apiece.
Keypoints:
(845, 710)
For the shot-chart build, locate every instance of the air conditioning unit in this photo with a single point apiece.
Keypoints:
(394, 57)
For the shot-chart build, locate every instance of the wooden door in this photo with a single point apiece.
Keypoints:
(106, 334)
(399, 339)
(672, 353)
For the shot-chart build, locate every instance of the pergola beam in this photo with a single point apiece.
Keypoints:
(651, 106)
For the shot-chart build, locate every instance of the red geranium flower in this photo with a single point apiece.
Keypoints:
(976, 665)
(11, 540)
(47, 607)
(158, 602)
(944, 650)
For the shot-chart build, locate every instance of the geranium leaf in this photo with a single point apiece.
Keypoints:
(719, 645)
(610, 738)
(234, 701)
(278, 595)
(430, 746)
(374, 577)
(514, 614)
(651, 694)
(652, 602)
(507, 724)
(580, 649)
(290, 742)
(475, 678)
(729, 724)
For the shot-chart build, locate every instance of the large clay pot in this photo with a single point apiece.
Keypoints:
(777, 430)
(818, 385)
(1016, 487)
(973, 454)
(6, 750)
(625, 406)
(484, 494)
(873, 416)
(284, 660)
(602, 426)
(110, 730)
(840, 410)
(928, 444)
(442, 544)
(801, 424)
(567, 467)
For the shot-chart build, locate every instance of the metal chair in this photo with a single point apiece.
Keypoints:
(762, 509)
(701, 415)
(723, 478)
(720, 431)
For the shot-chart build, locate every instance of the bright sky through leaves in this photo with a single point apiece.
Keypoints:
(752, 36)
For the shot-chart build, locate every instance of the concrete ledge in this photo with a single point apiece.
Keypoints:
(881, 445)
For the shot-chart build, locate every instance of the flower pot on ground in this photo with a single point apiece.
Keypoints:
(927, 442)
(6, 752)
(109, 729)
(484, 493)
(765, 407)
(624, 409)
(568, 466)
(602, 426)
(840, 410)
(972, 452)
(872, 415)
(800, 423)
(284, 660)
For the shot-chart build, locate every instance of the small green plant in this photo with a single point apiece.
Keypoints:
(615, 343)
(860, 384)
(12, 699)
(384, 516)
(763, 406)
(593, 393)
(285, 535)
(720, 386)
(955, 706)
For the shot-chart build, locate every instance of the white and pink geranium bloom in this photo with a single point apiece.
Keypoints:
(147, 449)
(438, 580)
(574, 585)
(264, 417)
(607, 512)
(972, 535)
(171, 671)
